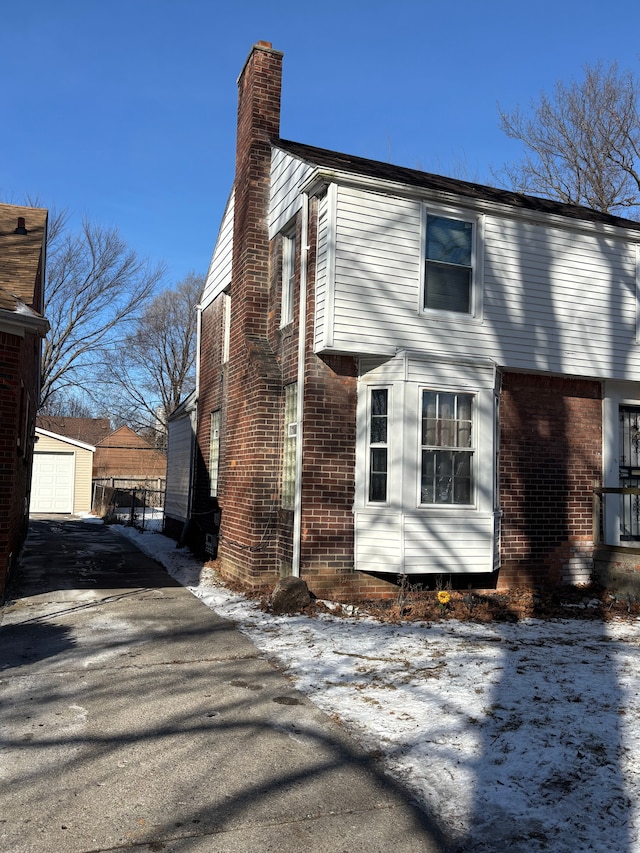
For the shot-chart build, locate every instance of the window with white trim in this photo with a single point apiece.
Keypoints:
(214, 453)
(288, 276)
(226, 330)
(287, 497)
(378, 444)
(449, 264)
(447, 452)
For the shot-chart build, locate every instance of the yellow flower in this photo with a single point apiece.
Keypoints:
(444, 597)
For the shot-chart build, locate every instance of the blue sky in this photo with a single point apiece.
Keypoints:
(123, 111)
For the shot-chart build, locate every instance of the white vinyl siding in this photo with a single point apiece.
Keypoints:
(219, 275)
(550, 298)
(379, 545)
(377, 270)
(451, 544)
(321, 271)
(288, 175)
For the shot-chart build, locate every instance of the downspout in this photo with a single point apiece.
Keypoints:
(302, 334)
(198, 337)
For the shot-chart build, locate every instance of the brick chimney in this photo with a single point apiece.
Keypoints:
(259, 87)
(254, 379)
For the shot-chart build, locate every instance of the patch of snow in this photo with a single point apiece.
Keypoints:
(522, 737)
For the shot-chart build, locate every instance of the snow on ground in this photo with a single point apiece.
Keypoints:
(520, 737)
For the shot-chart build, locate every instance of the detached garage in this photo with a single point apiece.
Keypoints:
(62, 471)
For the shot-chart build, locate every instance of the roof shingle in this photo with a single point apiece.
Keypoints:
(22, 254)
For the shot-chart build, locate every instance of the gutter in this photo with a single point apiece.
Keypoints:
(323, 176)
(16, 323)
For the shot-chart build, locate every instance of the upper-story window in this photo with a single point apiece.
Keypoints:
(449, 261)
(288, 274)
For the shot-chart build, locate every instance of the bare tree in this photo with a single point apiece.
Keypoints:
(68, 404)
(582, 145)
(156, 368)
(96, 288)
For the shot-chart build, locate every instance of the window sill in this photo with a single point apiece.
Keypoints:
(455, 317)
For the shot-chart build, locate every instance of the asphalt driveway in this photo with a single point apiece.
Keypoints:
(133, 717)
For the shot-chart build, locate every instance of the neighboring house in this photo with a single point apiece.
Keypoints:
(122, 457)
(62, 469)
(126, 459)
(180, 449)
(23, 234)
(87, 430)
(406, 374)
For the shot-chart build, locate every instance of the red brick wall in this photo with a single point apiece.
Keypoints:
(551, 457)
(19, 365)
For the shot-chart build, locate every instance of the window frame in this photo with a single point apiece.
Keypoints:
(476, 221)
(226, 325)
(472, 451)
(287, 275)
(214, 452)
(371, 446)
(289, 446)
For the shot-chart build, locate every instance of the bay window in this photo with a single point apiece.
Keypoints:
(426, 496)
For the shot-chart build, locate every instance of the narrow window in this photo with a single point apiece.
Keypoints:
(448, 264)
(214, 453)
(288, 273)
(226, 330)
(23, 423)
(289, 446)
(378, 444)
(447, 448)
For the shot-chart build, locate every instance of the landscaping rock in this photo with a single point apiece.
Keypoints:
(290, 595)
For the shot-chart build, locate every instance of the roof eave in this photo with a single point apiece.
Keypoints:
(17, 324)
(322, 176)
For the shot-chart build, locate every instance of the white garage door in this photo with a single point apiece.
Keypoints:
(52, 487)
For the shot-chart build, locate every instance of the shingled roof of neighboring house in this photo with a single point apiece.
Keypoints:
(88, 430)
(335, 161)
(22, 249)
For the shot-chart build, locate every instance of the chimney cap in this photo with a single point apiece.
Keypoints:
(264, 44)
